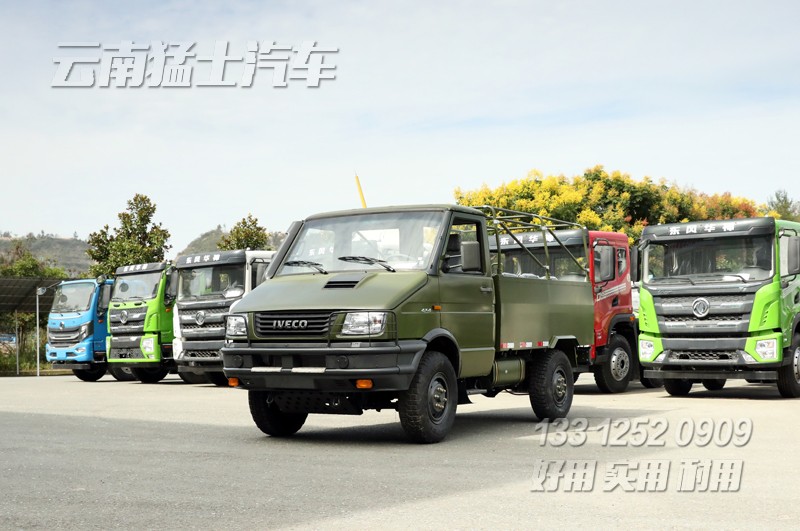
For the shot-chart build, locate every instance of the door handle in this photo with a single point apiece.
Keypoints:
(486, 289)
(615, 301)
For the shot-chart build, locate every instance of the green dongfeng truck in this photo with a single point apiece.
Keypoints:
(140, 321)
(406, 309)
(721, 300)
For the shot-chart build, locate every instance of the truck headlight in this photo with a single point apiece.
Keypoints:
(646, 349)
(767, 349)
(85, 331)
(236, 326)
(364, 323)
(149, 345)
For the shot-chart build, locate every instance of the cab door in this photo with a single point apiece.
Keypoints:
(467, 296)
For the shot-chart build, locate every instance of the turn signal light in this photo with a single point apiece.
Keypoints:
(363, 384)
(233, 382)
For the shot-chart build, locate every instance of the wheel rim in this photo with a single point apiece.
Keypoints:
(796, 364)
(559, 386)
(619, 364)
(438, 397)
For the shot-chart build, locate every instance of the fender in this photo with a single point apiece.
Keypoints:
(446, 343)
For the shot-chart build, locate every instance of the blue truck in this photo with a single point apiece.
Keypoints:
(77, 330)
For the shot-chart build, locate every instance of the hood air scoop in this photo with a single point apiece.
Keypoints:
(346, 280)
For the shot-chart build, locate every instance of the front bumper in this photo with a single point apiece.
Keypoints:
(82, 352)
(198, 357)
(390, 366)
(139, 351)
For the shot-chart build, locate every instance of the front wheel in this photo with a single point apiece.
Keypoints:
(90, 375)
(192, 378)
(272, 420)
(121, 374)
(150, 374)
(678, 387)
(217, 378)
(428, 409)
(789, 375)
(650, 383)
(713, 385)
(551, 385)
(614, 375)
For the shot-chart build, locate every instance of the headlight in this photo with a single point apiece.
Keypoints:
(149, 345)
(767, 349)
(364, 323)
(85, 331)
(646, 349)
(236, 326)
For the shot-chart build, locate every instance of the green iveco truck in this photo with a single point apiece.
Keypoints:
(721, 300)
(406, 308)
(140, 321)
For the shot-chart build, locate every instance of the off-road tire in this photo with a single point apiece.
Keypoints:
(121, 374)
(272, 420)
(150, 375)
(192, 377)
(217, 378)
(614, 375)
(677, 387)
(713, 385)
(551, 386)
(789, 375)
(427, 410)
(90, 375)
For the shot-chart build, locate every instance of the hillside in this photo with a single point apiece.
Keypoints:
(206, 242)
(66, 253)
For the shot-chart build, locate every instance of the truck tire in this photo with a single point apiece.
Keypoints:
(121, 374)
(272, 420)
(150, 375)
(192, 378)
(650, 383)
(551, 386)
(217, 378)
(614, 375)
(789, 375)
(90, 375)
(428, 409)
(677, 387)
(713, 385)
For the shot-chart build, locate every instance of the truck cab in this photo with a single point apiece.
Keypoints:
(207, 285)
(77, 329)
(140, 321)
(404, 308)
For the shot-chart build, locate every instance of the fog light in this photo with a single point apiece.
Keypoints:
(363, 384)
(767, 349)
(80, 350)
(149, 345)
(342, 362)
(748, 358)
(660, 358)
(237, 362)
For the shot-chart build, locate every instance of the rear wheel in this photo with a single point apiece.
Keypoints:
(150, 374)
(217, 378)
(121, 374)
(789, 375)
(193, 378)
(551, 385)
(272, 420)
(428, 409)
(614, 375)
(678, 387)
(713, 385)
(90, 375)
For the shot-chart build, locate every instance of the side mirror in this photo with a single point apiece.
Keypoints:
(470, 256)
(607, 263)
(793, 257)
(634, 254)
(105, 298)
(101, 279)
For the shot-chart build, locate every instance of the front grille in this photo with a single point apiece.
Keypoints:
(200, 353)
(292, 324)
(125, 354)
(693, 319)
(713, 299)
(59, 338)
(703, 355)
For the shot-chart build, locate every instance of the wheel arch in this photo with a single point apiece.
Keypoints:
(441, 340)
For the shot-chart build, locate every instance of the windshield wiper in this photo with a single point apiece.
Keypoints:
(368, 260)
(302, 263)
(723, 275)
(665, 279)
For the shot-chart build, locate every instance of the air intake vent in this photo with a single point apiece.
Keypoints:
(346, 280)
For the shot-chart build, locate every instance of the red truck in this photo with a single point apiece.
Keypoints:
(610, 357)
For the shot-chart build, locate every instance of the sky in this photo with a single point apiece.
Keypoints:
(427, 97)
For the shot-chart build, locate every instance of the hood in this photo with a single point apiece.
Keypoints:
(70, 319)
(356, 290)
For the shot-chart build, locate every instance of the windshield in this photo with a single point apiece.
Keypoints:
(73, 297)
(518, 262)
(138, 287)
(211, 282)
(400, 240)
(730, 259)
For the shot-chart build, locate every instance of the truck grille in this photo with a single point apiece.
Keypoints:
(292, 324)
(134, 321)
(727, 314)
(59, 338)
(125, 354)
(700, 355)
(203, 354)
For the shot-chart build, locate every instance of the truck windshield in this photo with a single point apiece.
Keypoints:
(73, 297)
(722, 259)
(211, 282)
(518, 262)
(141, 286)
(401, 240)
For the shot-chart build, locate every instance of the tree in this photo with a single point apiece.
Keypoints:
(782, 205)
(247, 233)
(137, 240)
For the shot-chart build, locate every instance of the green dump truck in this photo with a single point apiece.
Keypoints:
(721, 300)
(405, 308)
(140, 321)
